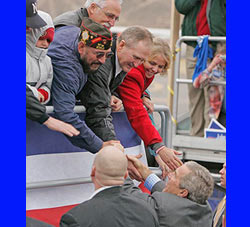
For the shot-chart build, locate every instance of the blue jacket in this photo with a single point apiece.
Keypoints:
(69, 79)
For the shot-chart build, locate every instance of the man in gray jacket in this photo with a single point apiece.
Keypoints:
(182, 201)
(105, 12)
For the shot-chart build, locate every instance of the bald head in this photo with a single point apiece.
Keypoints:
(109, 167)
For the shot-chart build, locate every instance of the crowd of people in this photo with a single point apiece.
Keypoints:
(76, 57)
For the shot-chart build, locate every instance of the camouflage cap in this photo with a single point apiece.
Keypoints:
(95, 35)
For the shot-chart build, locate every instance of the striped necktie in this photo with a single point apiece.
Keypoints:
(219, 212)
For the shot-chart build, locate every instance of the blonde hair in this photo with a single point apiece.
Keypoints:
(161, 47)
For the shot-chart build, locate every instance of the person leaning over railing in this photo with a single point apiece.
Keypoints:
(75, 54)
(131, 92)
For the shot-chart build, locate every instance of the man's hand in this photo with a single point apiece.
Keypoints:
(61, 126)
(168, 156)
(149, 105)
(164, 168)
(115, 143)
(116, 103)
(142, 170)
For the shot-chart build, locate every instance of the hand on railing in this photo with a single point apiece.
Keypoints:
(149, 104)
(61, 126)
(116, 103)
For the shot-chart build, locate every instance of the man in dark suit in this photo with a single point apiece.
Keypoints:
(110, 205)
(220, 210)
(182, 201)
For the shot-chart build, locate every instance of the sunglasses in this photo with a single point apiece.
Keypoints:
(102, 54)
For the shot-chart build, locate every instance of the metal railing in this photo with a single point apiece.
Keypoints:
(194, 148)
(85, 180)
(164, 112)
(177, 80)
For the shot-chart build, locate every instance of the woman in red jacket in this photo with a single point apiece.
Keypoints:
(131, 92)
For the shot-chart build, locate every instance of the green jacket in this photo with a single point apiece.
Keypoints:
(216, 16)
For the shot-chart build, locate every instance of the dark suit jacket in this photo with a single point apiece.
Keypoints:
(172, 210)
(111, 207)
(31, 222)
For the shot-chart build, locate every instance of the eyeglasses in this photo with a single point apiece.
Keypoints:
(110, 16)
(102, 54)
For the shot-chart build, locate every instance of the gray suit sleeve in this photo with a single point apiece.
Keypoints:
(68, 220)
(130, 188)
(158, 187)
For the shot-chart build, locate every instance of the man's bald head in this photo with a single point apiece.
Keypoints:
(109, 167)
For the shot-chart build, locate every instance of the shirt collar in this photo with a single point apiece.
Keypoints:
(118, 67)
(100, 189)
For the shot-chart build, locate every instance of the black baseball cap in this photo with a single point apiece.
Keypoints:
(33, 20)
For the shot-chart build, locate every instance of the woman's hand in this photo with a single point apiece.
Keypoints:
(164, 168)
(169, 157)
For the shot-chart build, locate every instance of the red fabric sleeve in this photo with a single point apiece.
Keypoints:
(130, 92)
(44, 93)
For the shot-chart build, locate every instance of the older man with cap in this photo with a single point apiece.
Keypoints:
(182, 200)
(34, 109)
(110, 205)
(105, 12)
(75, 53)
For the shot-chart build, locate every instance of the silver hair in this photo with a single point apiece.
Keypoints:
(199, 183)
(133, 35)
(100, 3)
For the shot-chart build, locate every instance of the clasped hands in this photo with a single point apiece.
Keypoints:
(166, 158)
